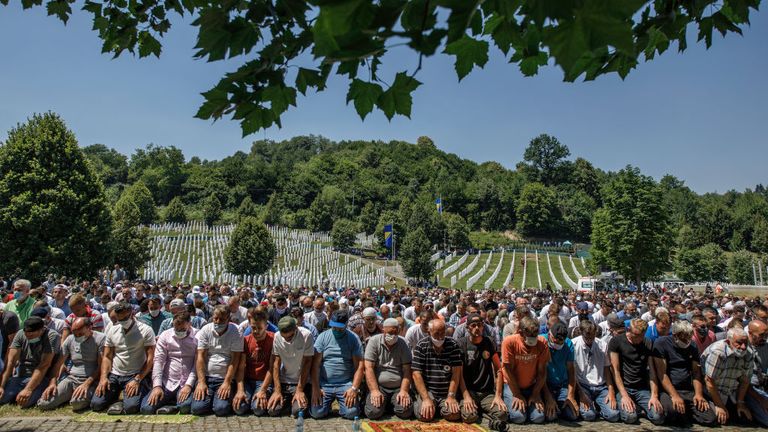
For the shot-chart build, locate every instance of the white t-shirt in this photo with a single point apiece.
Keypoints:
(292, 354)
(220, 348)
(130, 347)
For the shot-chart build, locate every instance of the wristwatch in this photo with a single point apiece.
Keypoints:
(137, 379)
(357, 390)
(451, 394)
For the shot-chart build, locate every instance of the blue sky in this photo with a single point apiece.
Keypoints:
(701, 116)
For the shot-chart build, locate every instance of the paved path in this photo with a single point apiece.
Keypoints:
(285, 424)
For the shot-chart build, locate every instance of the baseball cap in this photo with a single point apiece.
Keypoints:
(614, 321)
(582, 306)
(33, 323)
(339, 319)
(177, 303)
(286, 323)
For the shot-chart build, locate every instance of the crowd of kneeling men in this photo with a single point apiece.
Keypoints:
(567, 364)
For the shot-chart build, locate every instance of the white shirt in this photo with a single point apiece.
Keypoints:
(292, 354)
(57, 314)
(240, 316)
(648, 316)
(410, 313)
(220, 348)
(414, 335)
(589, 362)
(598, 317)
(130, 347)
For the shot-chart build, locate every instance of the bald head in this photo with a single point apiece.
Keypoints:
(758, 333)
(81, 327)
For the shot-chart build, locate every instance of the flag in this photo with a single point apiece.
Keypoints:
(439, 205)
(388, 236)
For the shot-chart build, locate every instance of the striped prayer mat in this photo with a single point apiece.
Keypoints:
(417, 426)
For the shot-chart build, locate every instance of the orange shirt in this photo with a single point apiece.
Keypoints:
(525, 359)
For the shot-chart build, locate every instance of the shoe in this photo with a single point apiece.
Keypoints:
(168, 409)
(115, 409)
(498, 425)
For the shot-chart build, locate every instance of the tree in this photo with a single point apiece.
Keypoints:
(343, 234)
(251, 249)
(368, 218)
(457, 231)
(273, 212)
(140, 195)
(211, 209)
(631, 232)
(326, 208)
(536, 210)
(352, 38)
(760, 236)
(415, 255)
(546, 158)
(54, 217)
(176, 211)
(130, 244)
(577, 209)
(704, 264)
(740, 268)
(111, 165)
(247, 208)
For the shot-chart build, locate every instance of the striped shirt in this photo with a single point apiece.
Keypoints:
(725, 368)
(436, 369)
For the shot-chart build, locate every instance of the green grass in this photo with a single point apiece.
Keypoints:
(517, 276)
(544, 269)
(480, 284)
(566, 268)
(558, 272)
(488, 239)
(580, 266)
(15, 411)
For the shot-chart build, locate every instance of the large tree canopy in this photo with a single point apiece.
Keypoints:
(294, 45)
(53, 214)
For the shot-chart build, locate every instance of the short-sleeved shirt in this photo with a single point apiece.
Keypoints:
(292, 354)
(220, 348)
(525, 359)
(633, 360)
(84, 356)
(10, 325)
(436, 369)
(130, 347)
(725, 368)
(337, 366)
(97, 321)
(679, 361)
(32, 354)
(257, 354)
(388, 361)
(478, 364)
(557, 367)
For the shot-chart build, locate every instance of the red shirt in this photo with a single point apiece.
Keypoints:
(257, 354)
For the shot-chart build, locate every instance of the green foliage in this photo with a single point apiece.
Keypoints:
(176, 212)
(704, 264)
(631, 233)
(343, 234)
(577, 209)
(368, 218)
(294, 46)
(740, 268)
(54, 216)
(130, 242)
(272, 211)
(326, 208)
(537, 211)
(760, 236)
(139, 194)
(212, 210)
(247, 208)
(414, 255)
(251, 249)
(111, 166)
(457, 231)
(546, 159)
(161, 169)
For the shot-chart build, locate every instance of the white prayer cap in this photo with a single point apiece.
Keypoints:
(195, 289)
(369, 312)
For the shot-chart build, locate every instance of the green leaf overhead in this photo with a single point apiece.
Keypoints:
(306, 40)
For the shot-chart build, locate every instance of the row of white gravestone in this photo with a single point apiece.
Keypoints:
(194, 252)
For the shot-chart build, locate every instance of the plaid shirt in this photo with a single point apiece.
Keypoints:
(725, 368)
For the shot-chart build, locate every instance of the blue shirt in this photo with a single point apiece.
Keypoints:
(652, 333)
(557, 367)
(270, 328)
(337, 367)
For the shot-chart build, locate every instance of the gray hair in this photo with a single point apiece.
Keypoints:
(736, 332)
(22, 283)
(659, 310)
(682, 328)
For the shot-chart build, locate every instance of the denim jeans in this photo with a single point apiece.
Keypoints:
(519, 417)
(116, 386)
(641, 398)
(759, 414)
(287, 406)
(597, 395)
(211, 402)
(335, 392)
(560, 394)
(169, 398)
(15, 385)
(251, 388)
